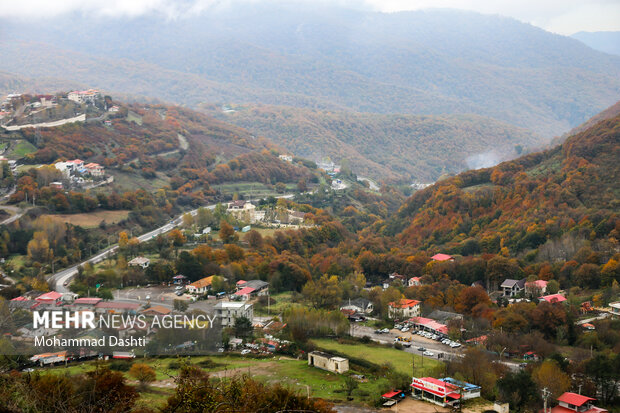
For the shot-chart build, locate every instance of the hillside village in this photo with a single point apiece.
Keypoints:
(357, 295)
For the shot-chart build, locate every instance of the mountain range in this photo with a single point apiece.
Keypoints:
(608, 42)
(328, 58)
(552, 202)
(386, 147)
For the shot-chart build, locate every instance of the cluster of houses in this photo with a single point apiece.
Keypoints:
(84, 96)
(75, 170)
(246, 211)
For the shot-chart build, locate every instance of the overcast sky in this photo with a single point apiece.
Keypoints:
(558, 16)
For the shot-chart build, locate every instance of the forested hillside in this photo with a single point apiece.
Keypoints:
(386, 147)
(555, 201)
(176, 152)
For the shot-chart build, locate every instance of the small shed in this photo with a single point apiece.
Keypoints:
(328, 362)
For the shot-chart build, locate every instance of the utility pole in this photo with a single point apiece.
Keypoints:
(545, 394)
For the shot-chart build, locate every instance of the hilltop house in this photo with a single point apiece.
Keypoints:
(536, 288)
(414, 282)
(403, 308)
(242, 210)
(85, 96)
(512, 288)
(94, 169)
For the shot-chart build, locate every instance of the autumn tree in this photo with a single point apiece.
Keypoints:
(143, 373)
(254, 239)
(227, 233)
(550, 375)
(471, 297)
(323, 293)
(176, 237)
(39, 247)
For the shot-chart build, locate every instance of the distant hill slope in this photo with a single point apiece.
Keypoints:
(177, 147)
(385, 147)
(608, 42)
(610, 112)
(426, 62)
(520, 205)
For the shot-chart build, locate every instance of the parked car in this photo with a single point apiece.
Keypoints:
(245, 351)
(428, 354)
(455, 345)
(405, 329)
(179, 293)
(385, 330)
(179, 287)
(378, 331)
(421, 349)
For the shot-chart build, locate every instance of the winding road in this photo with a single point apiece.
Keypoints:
(62, 278)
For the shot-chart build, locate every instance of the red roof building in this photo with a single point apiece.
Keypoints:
(573, 402)
(245, 293)
(117, 306)
(553, 298)
(436, 391)
(52, 296)
(442, 257)
(428, 324)
(403, 308)
(87, 301)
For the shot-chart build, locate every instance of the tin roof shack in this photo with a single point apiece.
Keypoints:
(393, 397)
(468, 390)
(328, 362)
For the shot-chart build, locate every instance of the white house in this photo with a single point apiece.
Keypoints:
(141, 262)
(403, 308)
(228, 311)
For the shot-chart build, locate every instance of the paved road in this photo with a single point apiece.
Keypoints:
(63, 278)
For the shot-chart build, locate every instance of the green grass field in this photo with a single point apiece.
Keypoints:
(129, 181)
(295, 374)
(134, 117)
(20, 148)
(251, 189)
(279, 303)
(400, 360)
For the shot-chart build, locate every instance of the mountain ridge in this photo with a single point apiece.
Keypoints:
(431, 62)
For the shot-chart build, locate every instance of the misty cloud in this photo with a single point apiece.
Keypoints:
(483, 160)
(560, 16)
